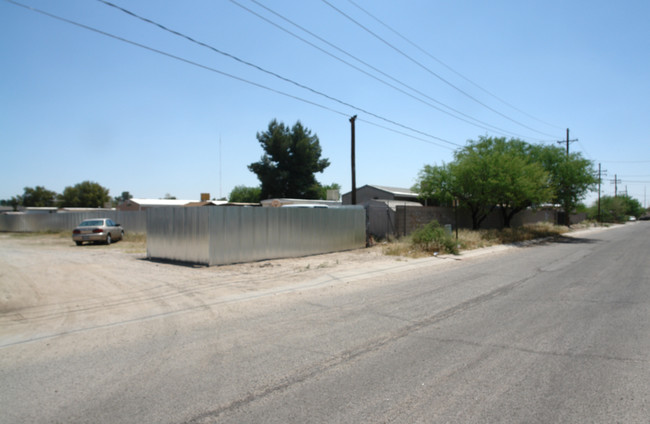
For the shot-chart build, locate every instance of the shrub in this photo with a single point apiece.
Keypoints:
(432, 237)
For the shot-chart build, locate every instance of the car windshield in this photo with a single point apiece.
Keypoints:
(93, 223)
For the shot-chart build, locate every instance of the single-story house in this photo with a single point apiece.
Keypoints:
(143, 204)
(206, 203)
(376, 192)
(277, 203)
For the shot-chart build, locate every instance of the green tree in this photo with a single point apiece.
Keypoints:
(632, 206)
(612, 209)
(323, 190)
(86, 194)
(571, 177)
(486, 174)
(292, 156)
(122, 198)
(433, 185)
(14, 202)
(243, 194)
(38, 196)
(513, 178)
(616, 209)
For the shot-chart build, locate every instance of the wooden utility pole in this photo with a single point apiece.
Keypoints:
(567, 141)
(615, 182)
(354, 178)
(600, 172)
(567, 217)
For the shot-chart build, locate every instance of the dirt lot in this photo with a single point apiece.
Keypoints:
(49, 286)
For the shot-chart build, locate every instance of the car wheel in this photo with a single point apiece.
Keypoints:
(108, 238)
(122, 235)
(79, 243)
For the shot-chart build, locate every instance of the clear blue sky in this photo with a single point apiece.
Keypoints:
(78, 105)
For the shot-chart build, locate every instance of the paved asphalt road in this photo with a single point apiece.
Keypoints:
(553, 333)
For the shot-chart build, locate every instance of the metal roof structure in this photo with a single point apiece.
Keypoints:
(136, 204)
(397, 191)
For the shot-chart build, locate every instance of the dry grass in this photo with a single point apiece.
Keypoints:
(472, 239)
(51, 234)
(132, 243)
(403, 247)
(135, 238)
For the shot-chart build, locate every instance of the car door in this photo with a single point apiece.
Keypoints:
(110, 228)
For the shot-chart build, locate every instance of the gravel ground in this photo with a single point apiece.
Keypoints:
(49, 286)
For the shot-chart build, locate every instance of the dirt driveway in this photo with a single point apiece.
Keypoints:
(49, 286)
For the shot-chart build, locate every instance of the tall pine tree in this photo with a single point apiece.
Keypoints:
(292, 156)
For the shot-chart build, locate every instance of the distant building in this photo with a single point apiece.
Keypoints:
(375, 192)
(40, 209)
(144, 204)
(278, 203)
(6, 209)
(206, 203)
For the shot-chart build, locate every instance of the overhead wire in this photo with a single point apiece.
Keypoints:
(484, 125)
(582, 146)
(425, 68)
(211, 69)
(170, 55)
(394, 31)
(627, 161)
(274, 74)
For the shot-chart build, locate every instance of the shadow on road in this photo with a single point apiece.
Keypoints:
(567, 240)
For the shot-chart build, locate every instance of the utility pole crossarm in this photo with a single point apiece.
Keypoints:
(567, 141)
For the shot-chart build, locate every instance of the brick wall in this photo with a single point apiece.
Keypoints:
(408, 218)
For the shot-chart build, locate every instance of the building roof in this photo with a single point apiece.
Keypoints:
(395, 191)
(393, 204)
(160, 202)
(207, 203)
(398, 191)
(276, 203)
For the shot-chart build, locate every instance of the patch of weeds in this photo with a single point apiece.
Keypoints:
(133, 243)
(434, 238)
(135, 237)
(400, 247)
(51, 233)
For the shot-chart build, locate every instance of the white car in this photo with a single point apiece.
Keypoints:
(97, 230)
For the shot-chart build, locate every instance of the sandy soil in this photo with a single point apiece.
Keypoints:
(49, 286)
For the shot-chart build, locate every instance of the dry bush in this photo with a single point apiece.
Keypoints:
(476, 239)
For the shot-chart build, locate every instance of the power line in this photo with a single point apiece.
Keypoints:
(274, 74)
(449, 67)
(582, 146)
(211, 69)
(403, 133)
(627, 161)
(430, 71)
(172, 56)
(484, 125)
